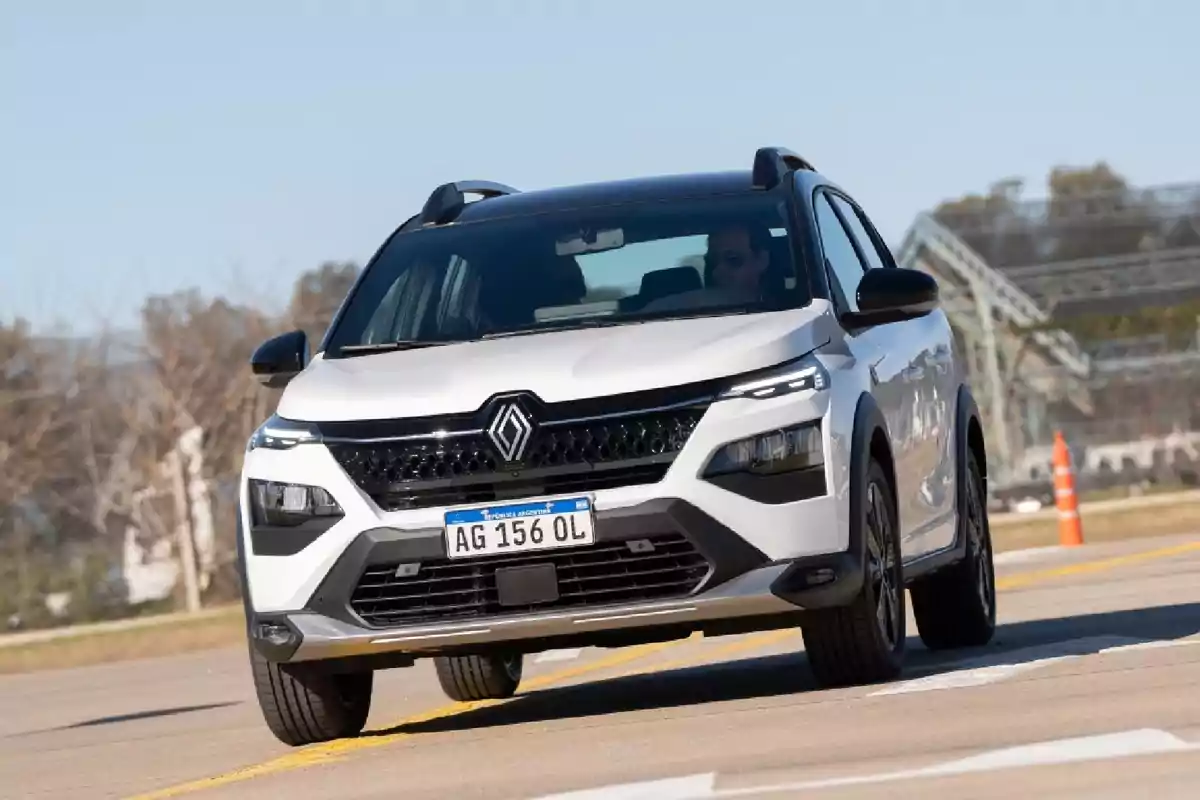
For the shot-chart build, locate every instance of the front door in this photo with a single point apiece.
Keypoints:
(917, 391)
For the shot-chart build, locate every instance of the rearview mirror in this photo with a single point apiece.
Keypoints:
(278, 360)
(893, 295)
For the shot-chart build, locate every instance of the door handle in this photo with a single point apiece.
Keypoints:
(872, 367)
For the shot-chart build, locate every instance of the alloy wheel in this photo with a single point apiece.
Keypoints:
(980, 546)
(511, 663)
(881, 566)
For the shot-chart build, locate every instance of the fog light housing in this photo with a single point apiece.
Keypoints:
(275, 638)
(771, 453)
(819, 577)
(276, 634)
(774, 467)
(288, 505)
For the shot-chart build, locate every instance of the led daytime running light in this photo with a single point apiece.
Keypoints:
(811, 377)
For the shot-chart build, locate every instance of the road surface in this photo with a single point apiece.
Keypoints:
(1091, 688)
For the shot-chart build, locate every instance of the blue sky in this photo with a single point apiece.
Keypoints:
(229, 146)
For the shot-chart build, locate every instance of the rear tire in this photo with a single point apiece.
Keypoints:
(957, 607)
(302, 706)
(479, 677)
(864, 641)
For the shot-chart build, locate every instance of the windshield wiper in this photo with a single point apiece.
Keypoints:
(399, 344)
(565, 325)
(625, 319)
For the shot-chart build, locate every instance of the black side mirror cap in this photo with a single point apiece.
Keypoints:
(893, 294)
(279, 359)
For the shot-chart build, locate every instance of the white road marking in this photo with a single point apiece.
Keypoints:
(1156, 644)
(1145, 741)
(964, 678)
(994, 668)
(1028, 554)
(689, 787)
(558, 655)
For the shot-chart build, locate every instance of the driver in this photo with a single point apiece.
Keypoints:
(737, 258)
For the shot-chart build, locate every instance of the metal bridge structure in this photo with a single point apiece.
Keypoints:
(1029, 375)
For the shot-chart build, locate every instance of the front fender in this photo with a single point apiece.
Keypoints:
(829, 581)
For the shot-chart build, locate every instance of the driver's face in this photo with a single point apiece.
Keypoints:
(734, 262)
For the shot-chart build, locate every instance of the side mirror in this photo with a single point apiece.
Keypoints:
(893, 295)
(278, 360)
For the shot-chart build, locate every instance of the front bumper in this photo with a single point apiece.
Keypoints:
(741, 589)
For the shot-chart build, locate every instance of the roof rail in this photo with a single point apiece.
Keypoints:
(771, 164)
(447, 200)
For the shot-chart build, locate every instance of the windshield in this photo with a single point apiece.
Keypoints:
(611, 265)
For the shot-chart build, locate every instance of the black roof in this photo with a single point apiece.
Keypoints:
(660, 187)
(448, 203)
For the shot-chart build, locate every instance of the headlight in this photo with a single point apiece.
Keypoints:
(772, 452)
(289, 505)
(278, 433)
(807, 374)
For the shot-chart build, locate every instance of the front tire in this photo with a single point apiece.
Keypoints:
(303, 706)
(864, 641)
(479, 677)
(957, 607)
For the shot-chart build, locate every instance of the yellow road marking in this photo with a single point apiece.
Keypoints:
(332, 751)
(755, 641)
(1100, 565)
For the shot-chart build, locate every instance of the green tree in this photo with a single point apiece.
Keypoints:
(994, 225)
(1093, 213)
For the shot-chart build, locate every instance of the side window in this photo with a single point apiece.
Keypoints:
(379, 327)
(457, 293)
(865, 242)
(843, 264)
(406, 304)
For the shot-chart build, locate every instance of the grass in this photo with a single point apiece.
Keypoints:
(225, 627)
(182, 636)
(1108, 525)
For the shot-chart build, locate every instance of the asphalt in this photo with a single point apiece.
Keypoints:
(1090, 688)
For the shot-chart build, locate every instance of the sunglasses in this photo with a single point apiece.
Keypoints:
(731, 259)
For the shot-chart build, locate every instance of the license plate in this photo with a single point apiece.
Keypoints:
(519, 528)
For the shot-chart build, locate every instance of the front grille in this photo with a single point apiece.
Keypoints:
(572, 457)
(602, 574)
(535, 483)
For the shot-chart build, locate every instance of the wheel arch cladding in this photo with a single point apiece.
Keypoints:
(968, 430)
(881, 451)
(969, 439)
(968, 414)
(871, 441)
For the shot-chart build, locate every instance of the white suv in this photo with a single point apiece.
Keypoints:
(610, 414)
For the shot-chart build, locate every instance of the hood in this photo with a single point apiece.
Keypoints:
(557, 366)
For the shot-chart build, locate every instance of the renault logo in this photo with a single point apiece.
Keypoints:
(510, 431)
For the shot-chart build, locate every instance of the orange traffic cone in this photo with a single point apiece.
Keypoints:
(1070, 529)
